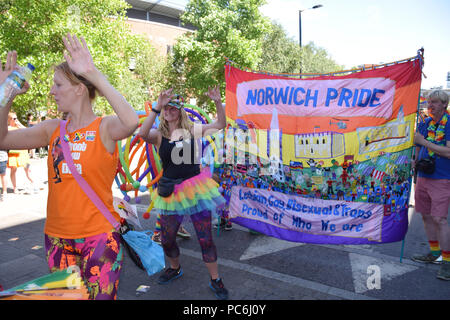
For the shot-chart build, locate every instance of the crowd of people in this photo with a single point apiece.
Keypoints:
(76, 232)
(14, 159)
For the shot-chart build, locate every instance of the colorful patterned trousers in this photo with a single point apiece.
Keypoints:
(99, 259)
(202, 226)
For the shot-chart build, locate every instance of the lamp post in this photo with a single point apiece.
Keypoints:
(300, 27)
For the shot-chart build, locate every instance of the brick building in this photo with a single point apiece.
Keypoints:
(158, 20)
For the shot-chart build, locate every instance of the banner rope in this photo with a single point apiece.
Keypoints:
(418, 57)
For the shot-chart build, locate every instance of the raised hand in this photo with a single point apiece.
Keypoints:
(10, 65)
(164, 98)
(78, 56)
(11, 61)
(214, 94)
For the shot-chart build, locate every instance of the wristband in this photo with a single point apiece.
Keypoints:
(156, 111)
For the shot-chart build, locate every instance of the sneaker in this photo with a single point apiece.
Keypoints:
(157, 237)
(170, 274)
(219, 289)
(444, 271)
(183, 233)
(228, 226)
(221, 225)
(429, 258)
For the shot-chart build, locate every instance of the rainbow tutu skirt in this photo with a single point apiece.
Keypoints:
(193, 195)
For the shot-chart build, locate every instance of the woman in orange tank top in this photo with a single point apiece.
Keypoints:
(76, 233)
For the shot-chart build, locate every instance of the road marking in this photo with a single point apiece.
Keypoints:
(362, 265)
(263, 245)
(303, 283)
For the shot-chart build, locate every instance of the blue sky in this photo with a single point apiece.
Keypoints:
(356, 32)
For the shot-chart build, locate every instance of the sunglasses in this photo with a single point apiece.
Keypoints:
(177, 102)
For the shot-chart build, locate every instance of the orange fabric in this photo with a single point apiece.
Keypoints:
(17, 158)
(70, 213)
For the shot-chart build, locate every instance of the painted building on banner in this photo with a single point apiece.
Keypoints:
(320, 145)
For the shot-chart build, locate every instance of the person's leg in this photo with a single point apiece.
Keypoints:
(3, 177)
(443, 232)
(439, 214)
(28, 172)
(169, 228)
(423, 202)
(13, 178)
(157, 233)
(102, 259)
(432, 232)
(3, 182)
(203, 228)
(61, 253)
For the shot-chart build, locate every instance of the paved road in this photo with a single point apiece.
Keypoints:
(254, 267)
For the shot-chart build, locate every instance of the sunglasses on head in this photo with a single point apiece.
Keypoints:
(177, 102)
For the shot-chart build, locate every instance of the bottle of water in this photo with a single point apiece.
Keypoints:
(14, 83)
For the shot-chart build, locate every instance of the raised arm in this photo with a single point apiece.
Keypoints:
(80, 61)
(146, 132)
(27, 138)
(220, 122)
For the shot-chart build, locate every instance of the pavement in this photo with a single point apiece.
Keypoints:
(253, 267)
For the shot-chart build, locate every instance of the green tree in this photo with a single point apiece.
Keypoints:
(35, 30)
(282, 54)
(316, 60)
(224, 29)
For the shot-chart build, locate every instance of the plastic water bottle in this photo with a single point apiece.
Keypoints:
(14, 83)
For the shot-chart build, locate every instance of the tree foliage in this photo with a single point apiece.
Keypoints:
(283, 55)
(35, 30)
(236, 29)
(224, 29)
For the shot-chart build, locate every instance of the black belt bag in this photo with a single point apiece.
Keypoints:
(167, 185)
(426, 165)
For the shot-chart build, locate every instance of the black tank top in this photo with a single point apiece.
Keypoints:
(175, 164)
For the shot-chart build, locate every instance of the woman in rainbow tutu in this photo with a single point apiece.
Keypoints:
(184, 188)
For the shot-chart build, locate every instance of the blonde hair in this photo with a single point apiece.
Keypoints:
(10, 115)
(76, 79)
(183, 123)
(439, 94)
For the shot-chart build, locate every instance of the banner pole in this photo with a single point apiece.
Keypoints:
(402, 249)
(413, 180)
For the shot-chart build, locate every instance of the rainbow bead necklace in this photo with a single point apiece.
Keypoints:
(436, 134)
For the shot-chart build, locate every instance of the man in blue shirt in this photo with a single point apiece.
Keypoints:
(432, 192)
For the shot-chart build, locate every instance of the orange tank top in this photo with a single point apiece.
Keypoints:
(70, 213)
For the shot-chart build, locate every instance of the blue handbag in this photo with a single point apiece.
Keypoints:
(150, 253)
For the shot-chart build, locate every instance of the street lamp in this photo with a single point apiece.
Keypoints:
(300, 26)
(300, 22)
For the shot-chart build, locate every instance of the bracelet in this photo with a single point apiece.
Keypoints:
(156, 111)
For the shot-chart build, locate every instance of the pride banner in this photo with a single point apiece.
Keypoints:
(310, 216)
(322, 160)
